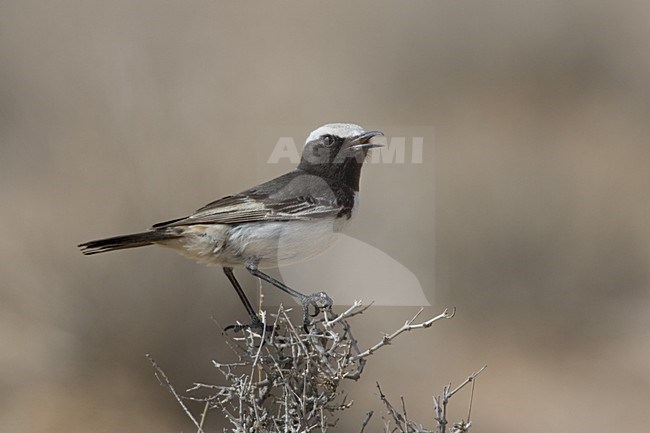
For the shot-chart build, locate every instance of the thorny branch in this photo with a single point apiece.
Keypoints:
(287, 380)
(408, 326)
(404, 425)
(366, 420)
(440, 405)
(164, 381)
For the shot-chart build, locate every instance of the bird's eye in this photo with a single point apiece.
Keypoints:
(328, 140)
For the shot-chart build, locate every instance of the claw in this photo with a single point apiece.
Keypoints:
(235, 328)
(255, 325)
(321, 301)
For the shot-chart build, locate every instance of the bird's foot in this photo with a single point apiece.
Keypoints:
(320, 301)
(256, 325)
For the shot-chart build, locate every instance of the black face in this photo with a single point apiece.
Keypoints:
(329, 149)
(337, 158)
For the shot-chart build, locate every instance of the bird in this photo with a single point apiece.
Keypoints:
(286, 220)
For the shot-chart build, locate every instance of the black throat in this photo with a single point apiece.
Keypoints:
(346, 172)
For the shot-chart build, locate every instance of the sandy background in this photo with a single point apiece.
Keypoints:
(529, 212)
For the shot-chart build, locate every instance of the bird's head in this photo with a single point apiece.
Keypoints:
(337, 151)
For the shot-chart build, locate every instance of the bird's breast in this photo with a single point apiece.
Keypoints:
(277, 243)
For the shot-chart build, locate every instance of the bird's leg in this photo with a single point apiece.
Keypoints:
(319, 300)
(256, 322)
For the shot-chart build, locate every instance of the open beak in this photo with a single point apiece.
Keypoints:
(363, 141)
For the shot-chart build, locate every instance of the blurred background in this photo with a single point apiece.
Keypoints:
(529, 212)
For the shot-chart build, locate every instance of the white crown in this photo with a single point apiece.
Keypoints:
(344, 130)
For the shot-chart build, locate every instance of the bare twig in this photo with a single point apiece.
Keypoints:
(205, 412)
(406, 418)
(164, 381)
(366, 420)
(408, 326)
(402, 423)
(440, 404)
(469, 379)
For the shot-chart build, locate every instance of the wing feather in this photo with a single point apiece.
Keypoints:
(245, 208)
(290, 197)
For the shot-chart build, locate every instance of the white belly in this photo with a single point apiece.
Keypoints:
(281, 243)
(268, 243)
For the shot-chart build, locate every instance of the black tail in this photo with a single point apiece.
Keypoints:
(123, 242)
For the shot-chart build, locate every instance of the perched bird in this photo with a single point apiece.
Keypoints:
(286, 220)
